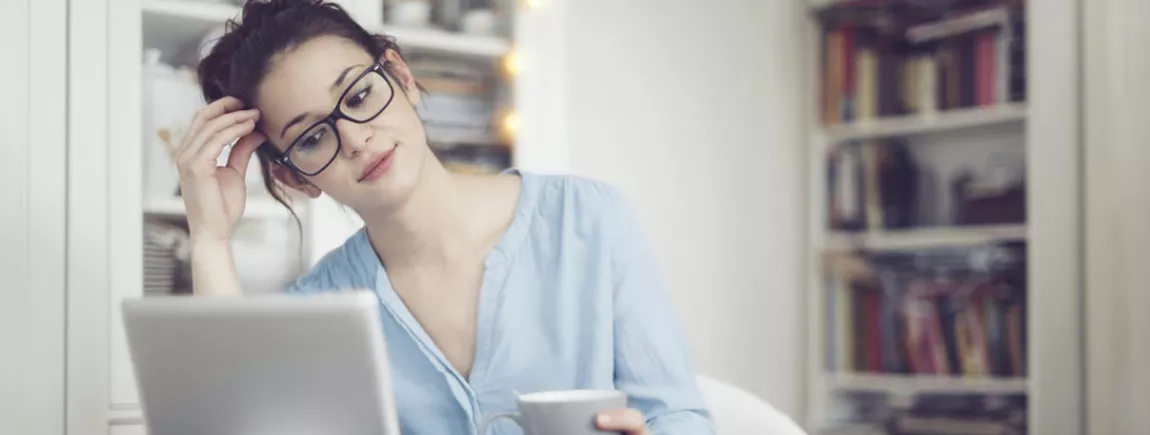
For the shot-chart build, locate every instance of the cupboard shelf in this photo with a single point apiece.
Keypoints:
(173, 25)
(930, 123)
(910, 385)
(911, 239)
(256, 208)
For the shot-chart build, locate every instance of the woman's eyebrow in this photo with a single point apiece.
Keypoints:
(342, 77)
(298, 119)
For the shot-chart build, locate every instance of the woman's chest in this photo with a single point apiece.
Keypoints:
(445, 304)
(540, 324)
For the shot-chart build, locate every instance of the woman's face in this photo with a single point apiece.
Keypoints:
(379, 158)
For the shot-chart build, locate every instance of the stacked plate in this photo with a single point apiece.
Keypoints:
(159, 269)
(163, 243)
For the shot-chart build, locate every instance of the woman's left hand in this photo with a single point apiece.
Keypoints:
(628, 421)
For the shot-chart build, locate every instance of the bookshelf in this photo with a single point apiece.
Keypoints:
(937, 188)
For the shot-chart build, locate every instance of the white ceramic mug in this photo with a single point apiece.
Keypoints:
(568, 412)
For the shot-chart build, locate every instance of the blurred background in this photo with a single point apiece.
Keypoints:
(879, 216)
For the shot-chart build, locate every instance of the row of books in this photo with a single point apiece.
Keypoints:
(969, 414)
(872, 185)
(880, 184)
(874, 67)
(974, 326)
(962, 415)
(919, 425)
(459, 99)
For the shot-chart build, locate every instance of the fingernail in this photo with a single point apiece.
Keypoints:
(604, 418)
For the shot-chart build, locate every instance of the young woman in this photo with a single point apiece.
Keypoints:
(489, 285)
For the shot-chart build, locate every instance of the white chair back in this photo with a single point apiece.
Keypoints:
(738, 412)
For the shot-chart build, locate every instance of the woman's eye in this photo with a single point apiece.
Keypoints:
(357, 99)
(312, 141)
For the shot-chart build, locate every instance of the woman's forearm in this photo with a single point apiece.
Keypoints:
(214, 270)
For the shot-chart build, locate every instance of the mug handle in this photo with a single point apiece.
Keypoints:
(491, 419)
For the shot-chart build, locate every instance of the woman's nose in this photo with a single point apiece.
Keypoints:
(355, 137)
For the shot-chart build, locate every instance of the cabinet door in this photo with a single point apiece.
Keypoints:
(32, 218)
(125, 220)
(104, 229)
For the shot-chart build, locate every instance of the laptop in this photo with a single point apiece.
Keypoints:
(261, 365)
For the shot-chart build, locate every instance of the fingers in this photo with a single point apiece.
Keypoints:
(214, 145)
(217, 108)
(629, 421)
(242, 153)
(214, 126)
(206, 144)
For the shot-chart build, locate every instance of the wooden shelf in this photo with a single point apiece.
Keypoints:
(903, 240)
(125, 414)
(910, 385)
(818, 5)
(939, 122)
(204, 11)
(256, 208)
(441, 41)
(821, 4)
(178, 26)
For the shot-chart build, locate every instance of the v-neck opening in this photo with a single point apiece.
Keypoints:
(490, 287)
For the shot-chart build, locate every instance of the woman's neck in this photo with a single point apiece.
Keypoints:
(431, 227)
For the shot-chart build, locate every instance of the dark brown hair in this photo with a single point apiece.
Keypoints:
(241, 58)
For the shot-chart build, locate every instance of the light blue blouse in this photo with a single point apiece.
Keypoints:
(571, 298)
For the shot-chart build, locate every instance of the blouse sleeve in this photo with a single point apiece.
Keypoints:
(350, 266)
(652, 362)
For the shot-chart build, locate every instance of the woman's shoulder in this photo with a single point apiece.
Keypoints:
(572, 195)
(591, 209)
(345, 267)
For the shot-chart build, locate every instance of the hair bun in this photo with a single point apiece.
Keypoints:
(258, 12)
(239, 58)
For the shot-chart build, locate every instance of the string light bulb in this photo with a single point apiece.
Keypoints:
(512, 63)
(510, 124)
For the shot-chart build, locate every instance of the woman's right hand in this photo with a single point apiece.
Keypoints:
(215, 196)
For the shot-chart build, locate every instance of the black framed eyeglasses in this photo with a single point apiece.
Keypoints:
(314, 150)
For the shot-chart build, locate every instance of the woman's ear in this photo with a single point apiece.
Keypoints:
(294, 180)
(399, 70)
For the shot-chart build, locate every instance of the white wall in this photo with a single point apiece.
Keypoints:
(694, 110)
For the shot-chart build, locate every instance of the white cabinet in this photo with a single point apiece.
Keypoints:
(32, 220)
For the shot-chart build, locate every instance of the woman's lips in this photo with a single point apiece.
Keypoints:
(378, 166)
